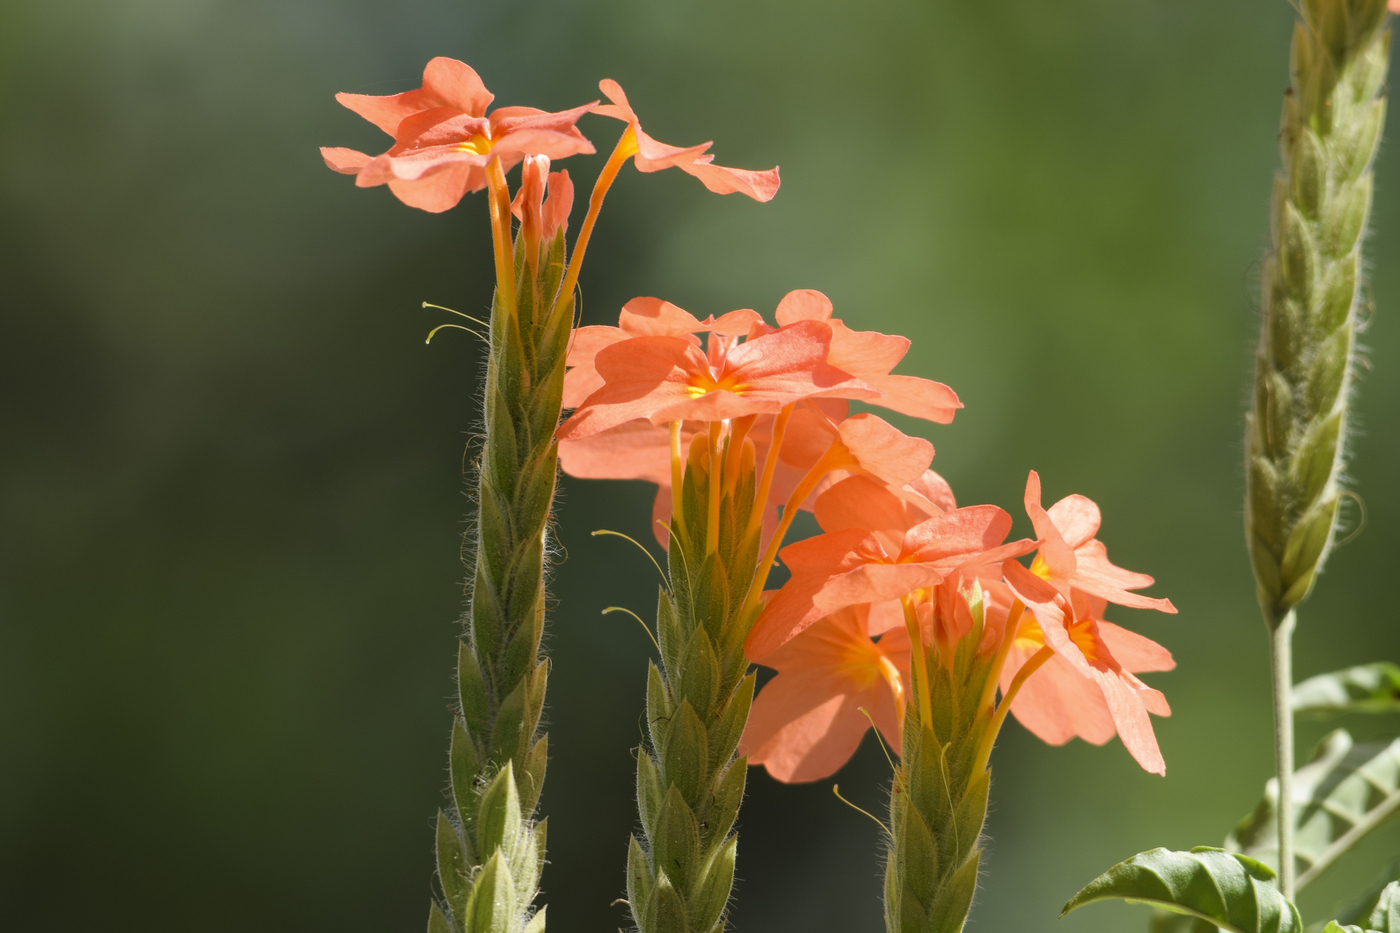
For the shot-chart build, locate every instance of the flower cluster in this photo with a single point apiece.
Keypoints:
(645, 390)
(901, 577)
(899, 564)
(730, 427)
(446, 144)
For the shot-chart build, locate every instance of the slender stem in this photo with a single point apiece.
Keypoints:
(916, 654)
(831, 460)
(1348, 839)
(770, 466)
(984, 753)
(626, 148)
(1281, 653)
(499, 203)
(1008, 635)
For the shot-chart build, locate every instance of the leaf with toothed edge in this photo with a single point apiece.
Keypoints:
(1232, 891)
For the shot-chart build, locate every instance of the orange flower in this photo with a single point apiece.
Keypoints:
(641, 317)
(1071, 557)
(667, 378)
(807, 721)
(855, 565)
(648, 155)
(1087, 688)
(444, 139)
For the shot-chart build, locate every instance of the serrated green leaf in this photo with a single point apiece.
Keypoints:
(1367, 688)
(1335, 927)
(1342, 793)
(1235, 892)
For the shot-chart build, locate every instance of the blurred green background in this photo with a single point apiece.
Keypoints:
(231, 474)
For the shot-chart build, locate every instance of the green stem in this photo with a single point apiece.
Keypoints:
(1281, 654)
(490, 849)
(690, 779)
(938, 800)
(1296, 429)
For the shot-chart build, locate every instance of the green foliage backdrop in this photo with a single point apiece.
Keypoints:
(231, 487)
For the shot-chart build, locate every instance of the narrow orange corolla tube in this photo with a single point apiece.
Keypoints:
(499, 203)
(626, 148)
(984, 753)
(677, 478)
(1008, 636)
(770, 466)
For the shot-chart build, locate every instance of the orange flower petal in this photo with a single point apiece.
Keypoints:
(807, 722)
(1135, 652)
(653, 156)
(345, 161)
(882, 450)
(803, 304)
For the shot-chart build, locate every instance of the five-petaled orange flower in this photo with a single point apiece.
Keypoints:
(640, 448)
(853, 565)
(444, 138)
(667, 378)
(898, 560)
(1087, 688)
